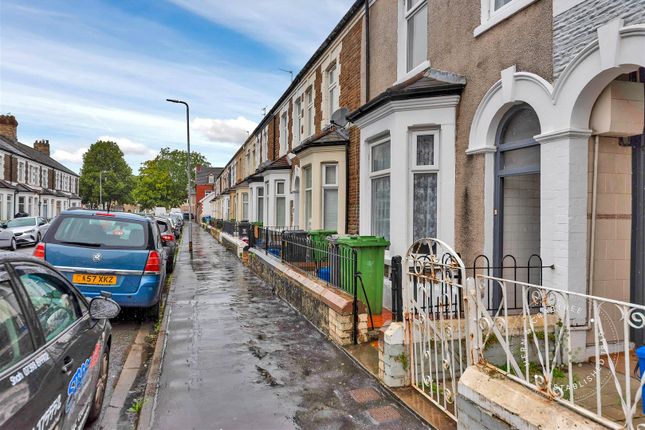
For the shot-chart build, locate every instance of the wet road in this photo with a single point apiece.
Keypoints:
(239, 357)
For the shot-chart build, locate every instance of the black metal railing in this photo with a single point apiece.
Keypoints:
(531, 273)
(268, 239)
(396, 280)
(230, 227)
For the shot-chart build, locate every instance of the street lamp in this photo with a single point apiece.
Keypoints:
(101, 188)
(190, 212)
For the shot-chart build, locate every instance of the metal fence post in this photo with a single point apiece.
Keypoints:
(396, 278)
(473, 337)
(355, 304)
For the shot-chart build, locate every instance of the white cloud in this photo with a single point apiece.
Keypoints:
(129, 147)
(62, 155)
(307, 22)
(224, 130)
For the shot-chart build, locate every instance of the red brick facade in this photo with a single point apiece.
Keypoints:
(350, 97)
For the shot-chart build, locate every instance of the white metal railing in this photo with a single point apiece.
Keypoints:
(569, 346)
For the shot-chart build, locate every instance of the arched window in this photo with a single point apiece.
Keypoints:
(517, 193)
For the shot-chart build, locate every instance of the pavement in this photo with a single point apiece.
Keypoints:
(237, 356)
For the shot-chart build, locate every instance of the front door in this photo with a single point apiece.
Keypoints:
(637, 289)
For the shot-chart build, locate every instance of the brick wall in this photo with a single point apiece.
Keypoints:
(14, 170)
(273, 146)
(576, 28)
(350, 97)
(7, 167)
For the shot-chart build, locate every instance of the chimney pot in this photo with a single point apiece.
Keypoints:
(9, 127)
(42, 146)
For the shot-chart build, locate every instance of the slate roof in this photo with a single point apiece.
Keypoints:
(25, 151)
(330, 136)
(201, 177)
(427, 83)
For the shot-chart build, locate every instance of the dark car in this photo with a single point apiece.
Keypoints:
(54, 347)
(118, 252)
(169, 242)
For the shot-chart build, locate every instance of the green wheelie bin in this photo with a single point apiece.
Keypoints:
(319, 243)
(370, 255)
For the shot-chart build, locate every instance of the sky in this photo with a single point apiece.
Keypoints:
(76, 71)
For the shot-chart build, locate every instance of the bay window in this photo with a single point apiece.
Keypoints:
(380, 188)
(9, 206)
(330, 196)
(280, 204)
(21, 171)
(416, 22)
(424, 174)
(308, 196)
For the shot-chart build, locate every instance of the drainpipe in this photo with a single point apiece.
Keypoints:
(347, 184)
(367, 51)
(592, 240)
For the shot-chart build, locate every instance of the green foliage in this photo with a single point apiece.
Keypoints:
(163, 181)
(117, 180)
(137, 405)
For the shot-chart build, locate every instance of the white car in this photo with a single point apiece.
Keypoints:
(28, 230)
(8, 240)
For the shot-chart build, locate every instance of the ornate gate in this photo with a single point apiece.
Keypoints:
(435, 321)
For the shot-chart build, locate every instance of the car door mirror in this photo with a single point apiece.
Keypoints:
(102, 308)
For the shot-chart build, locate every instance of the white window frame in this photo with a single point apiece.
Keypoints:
(378, 173)
(415, 168)
(2, 168)
(283, 196)
(403, 46)
(45, 177)
(310, 117)
(245, 207)
(297, 120)
(260, 204)
(284, 138)
(491, 17)
(332, 85)
(308, 189)
(22, 166)
(327, 187)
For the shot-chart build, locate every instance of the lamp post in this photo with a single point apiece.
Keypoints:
(101, 188)
(190, 212)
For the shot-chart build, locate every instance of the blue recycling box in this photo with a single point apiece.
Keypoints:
(640, 353)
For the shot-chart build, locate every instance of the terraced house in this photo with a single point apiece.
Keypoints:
(496, 140)
(31, 181)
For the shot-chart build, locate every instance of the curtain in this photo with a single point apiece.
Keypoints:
(381, 207)
(424, 207)
(330, 202)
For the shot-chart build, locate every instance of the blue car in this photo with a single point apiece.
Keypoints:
(118, 252)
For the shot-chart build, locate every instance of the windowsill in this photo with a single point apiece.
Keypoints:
(413, 72)
(502, 14)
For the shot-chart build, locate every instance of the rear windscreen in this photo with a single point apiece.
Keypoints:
(103, 232)
(163, 227)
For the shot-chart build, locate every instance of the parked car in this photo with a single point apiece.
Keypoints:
(54, 347)
(119, 252)
(7, 239)
(28, 230)
(168, 239)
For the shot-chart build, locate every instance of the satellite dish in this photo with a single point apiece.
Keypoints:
(339, 117)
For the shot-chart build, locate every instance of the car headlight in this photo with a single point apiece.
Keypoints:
(33, 230)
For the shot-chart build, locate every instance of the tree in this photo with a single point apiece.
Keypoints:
(107, 157)
(163, 181)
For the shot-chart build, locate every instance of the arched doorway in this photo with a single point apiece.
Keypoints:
(517, 193)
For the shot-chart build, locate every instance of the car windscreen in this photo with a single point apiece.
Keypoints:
(101, 232)
(21, 222)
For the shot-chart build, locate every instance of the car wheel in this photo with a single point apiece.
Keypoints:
(170, 265)
(101, 385)
(14, 244)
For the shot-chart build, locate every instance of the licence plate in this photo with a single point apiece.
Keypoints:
(86, 278)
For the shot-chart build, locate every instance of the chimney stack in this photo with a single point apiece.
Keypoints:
(42, 146)
(9, 127)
